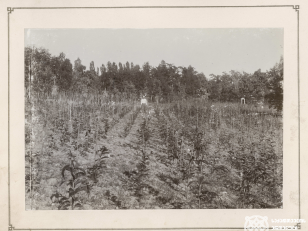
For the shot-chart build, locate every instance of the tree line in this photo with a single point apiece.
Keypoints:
(164, 83)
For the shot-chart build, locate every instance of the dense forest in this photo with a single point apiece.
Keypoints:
(163, 83)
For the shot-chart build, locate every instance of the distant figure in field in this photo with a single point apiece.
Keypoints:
(144, 103)
(112, 103)
(242, 100)
(54, 91)
(261, 104)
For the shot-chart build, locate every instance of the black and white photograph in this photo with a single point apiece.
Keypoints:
(161, 118)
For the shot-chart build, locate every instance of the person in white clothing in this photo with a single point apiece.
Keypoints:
(144, 103)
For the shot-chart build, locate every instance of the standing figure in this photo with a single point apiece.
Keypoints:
(144, 103)
(243, 100)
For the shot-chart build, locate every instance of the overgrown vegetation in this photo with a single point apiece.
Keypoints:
(90, 146)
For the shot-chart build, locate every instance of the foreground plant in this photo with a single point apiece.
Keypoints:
(76, 182)
(99, 164)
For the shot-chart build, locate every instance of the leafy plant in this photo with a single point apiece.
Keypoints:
(136, 180)
(76, 182)
(99, 164)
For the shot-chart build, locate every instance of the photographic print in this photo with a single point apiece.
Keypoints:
(126, 119)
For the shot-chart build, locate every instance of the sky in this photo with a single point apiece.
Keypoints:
(211, 51)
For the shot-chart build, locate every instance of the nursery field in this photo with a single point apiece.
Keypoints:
(88, 152)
